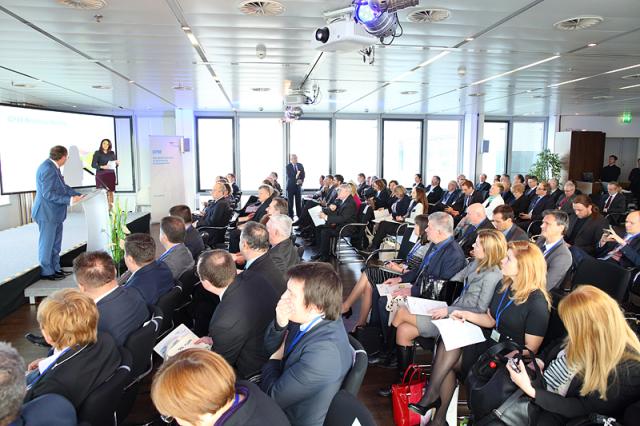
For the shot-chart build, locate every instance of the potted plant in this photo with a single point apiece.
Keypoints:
(546, 166)
(119, 232)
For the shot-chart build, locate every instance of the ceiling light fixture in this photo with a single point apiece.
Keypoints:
(524, 67)
(409, 92)
(260, 89)
(629, 87)
(477, 94)
(422, 65)
(592, 44)
(192, 38)
(630, 67)
(336, 90)
(595, 75)
(101, 87)
(469, 39)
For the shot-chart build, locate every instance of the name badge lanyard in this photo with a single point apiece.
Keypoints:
(428, 258)
(413, 251)
(166, 253)
(301, 333)
(49, 367)
(557, 243)
(495, 335)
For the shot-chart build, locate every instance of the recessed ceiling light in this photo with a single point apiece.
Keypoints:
(260, 89)
(524, 67)
(578, 23)
(409, 92)
(592, 44)
(192, 38)
(101, 87)
(23, 85)
(74, 106)
(185, 28)
(631, 76)
(131, 81)
(336, 90)
(601, 97)
(477, 94)
(630, 87)
(181, 87)
(469, 39)
(540, 96)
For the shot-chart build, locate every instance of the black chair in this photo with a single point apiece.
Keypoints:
(534, 228)
(355, 376)
(167, 304)
(99, 408)
(607, 276)
(187, 282)
(345, 409)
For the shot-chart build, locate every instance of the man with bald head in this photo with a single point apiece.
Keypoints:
(623, 250)
(217, 213)
(467, 229)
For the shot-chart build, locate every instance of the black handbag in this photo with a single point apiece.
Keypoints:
(432, 288)
(493, 398)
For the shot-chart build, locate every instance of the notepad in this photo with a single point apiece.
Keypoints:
(419, 306)
(315, 216)
(389, 289)
(457, 334)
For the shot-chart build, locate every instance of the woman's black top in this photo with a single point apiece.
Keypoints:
(101, 159)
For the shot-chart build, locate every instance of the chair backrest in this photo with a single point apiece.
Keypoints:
(353, 380)
(140, 343)
(406, 244)
(187, 281)
(167, 303)
(345, 409)
(607, 276)
(98, 409)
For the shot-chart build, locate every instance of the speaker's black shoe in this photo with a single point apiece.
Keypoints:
(37, 340)
(53, 277)
(63, 273)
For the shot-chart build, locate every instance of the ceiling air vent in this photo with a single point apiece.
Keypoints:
(84, 4)
(428, 15)
(578, 23)
(261, 7)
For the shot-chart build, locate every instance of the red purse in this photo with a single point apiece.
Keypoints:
(408, 391)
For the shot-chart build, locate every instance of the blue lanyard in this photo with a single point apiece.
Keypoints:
(498, 311)
(464, 288)
(433, 253)
(469, 230)
(413, 251)
(546, 252)
(166, 253)
(301, 333)
(49, 367)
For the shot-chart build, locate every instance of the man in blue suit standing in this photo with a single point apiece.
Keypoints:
(295, 179)
(53, 196)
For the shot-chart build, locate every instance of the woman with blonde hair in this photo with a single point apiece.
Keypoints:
(197, 387)
(81, 359)
(480, 278)
(595, 370)
(354, 194)
(519, 311)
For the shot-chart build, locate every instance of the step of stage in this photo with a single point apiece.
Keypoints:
(44, 288)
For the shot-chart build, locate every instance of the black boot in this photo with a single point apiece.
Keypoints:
(391, 360)
(404, 356)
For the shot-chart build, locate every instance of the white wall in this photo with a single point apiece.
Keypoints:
(610, 125)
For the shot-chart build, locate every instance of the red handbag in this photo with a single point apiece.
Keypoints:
(408, 391)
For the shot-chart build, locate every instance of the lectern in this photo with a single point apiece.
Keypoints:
(96, 211)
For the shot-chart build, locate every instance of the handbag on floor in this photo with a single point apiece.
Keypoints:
(410, 390)
(388, 249)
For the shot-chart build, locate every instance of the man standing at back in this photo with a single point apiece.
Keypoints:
(53, 196)
(295, 179)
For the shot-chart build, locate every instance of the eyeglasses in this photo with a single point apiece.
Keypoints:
(166, 419)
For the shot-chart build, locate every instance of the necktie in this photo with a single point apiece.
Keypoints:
(466, 201)
(295, 168)
(608, 203)
(535, 203)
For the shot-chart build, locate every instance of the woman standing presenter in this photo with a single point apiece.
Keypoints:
(105, 173)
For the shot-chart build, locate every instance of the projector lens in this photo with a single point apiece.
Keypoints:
(322, 35)
(365, 14)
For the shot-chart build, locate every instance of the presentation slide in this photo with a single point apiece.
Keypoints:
(26, 135)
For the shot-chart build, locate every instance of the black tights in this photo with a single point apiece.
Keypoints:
(442, 383)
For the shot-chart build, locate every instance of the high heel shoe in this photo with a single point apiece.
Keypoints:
(347, 315)
(423, 410)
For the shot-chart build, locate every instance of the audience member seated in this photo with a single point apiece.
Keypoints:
(400, 202)
(493, 200)
(469, 196)
(265, 196)
(176, 256)
(150, 278)
(538, 205)
(216, 214)
(238, 324)
(198, 388)
(192, 238)
(519, 311)
(507, 195)
(254, 248)
(277, 206)
(382, 194)
(273, 178)
(362, 185)
(235, 189)
(625, 251)
(554, 190)
(354, 194)
(613, 202)
(585, 226)
(595, 370)
(520, 203)
(311, 350)
(325, 196)
(46, 410)
(460, 179)
(503, 221)
(480, 278)
(376, 274)
(434, 191)
(555, 251)
(122, 310)
(532, 186)
(81, 359)
(336, 217)
(565, 203)
(417, 181)
(467, 229)
(449, 197)
(483, 186)
(417, 206)
(283, 252)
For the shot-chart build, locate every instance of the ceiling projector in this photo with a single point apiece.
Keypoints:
(344, 35)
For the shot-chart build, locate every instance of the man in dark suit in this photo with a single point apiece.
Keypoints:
(217, 214)
(610, 172)
(235, 189)
(362, 185)
(192, 238)
(310, 349)
(295, 179)
(49, 211)
(176, 256)
(503, 221)
(467, 229)
(613, 202)
(122, 310)
(254, 247)
(246, 309)
(585, 226)
(483, 186)
(434, 191)
(152, 279)
(554, 190)
(283, 252)
(625, 251)
(532, 184)
(555, 251)
(469, 196)
(539, 203)
(336, 217)
(266, 194)
(565, 202)
(449, 197)
(634, 181)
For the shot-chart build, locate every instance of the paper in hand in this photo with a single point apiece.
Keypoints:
(420, 306)
(457, 334)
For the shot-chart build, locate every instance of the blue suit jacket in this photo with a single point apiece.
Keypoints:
(47, 410)
(52, 194)
(152, 281)
(306, 380)
(122, 312)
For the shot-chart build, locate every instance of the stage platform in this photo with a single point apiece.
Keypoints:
(19, 267)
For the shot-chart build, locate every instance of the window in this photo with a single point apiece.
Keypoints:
(309, 140)
(261, 151)
(4, 200)
(214, 150)
(356, 148)
(443, 144)
(494, 148)
(401, 150)
(527, 142)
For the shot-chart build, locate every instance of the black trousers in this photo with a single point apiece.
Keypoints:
(294, 195)
(326, 233)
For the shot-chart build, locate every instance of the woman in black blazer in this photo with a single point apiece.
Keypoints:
(198, 387)
(382, 194)
(520, 204)
(81, 360)
(105, 176)
(596, 371)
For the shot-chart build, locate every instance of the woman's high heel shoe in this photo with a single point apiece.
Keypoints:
(347, 315)
(423, 410)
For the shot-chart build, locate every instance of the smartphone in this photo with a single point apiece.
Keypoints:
(513, 362)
